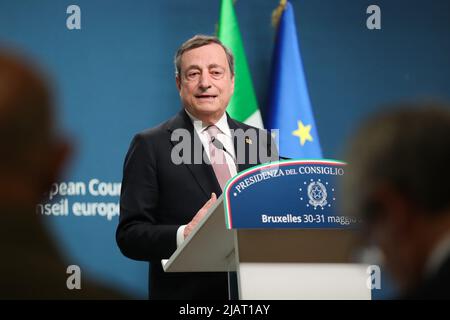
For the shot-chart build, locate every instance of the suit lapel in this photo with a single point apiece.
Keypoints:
(203, 173)
(234, 125)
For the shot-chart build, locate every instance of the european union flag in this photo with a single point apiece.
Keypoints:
(289, 104)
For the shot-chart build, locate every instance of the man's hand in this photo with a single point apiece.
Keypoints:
(199, 215)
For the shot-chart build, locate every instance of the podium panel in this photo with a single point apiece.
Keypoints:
(295, 255)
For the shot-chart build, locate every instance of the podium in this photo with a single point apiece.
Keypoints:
(273, 262)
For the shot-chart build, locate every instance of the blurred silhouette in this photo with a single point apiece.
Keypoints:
(32, 157)
(398, 181)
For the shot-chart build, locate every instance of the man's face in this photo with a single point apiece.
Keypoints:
(205, 82)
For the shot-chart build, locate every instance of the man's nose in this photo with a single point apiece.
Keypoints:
(205, 81)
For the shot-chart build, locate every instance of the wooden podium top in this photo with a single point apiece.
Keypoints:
(209, 248)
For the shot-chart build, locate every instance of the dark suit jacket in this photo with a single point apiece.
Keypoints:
(436, 287)
(158, 196)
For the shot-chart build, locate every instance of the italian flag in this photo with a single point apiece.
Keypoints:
(243, 105)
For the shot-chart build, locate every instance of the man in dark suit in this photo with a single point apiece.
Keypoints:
(174, 172)
(398, 180)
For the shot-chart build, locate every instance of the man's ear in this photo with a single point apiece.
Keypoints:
(178, 82)
(232, 83)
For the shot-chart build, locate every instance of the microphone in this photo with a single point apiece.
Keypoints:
(219, 145)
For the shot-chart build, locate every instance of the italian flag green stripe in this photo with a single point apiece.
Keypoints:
(243, 105)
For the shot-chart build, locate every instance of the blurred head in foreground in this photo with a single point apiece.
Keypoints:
(398, 181)
(32, 158)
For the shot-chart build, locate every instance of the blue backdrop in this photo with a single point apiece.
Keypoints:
(115, 77)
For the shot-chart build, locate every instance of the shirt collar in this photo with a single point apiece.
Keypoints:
(200, 127)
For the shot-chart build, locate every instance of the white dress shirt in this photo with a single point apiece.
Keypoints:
(224, 136)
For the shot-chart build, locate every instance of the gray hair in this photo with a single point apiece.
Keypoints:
(198, 41)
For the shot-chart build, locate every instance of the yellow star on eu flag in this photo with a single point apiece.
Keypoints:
(303, 132)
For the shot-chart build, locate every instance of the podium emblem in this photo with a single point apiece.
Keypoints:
(317, 194)
(292, 194)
